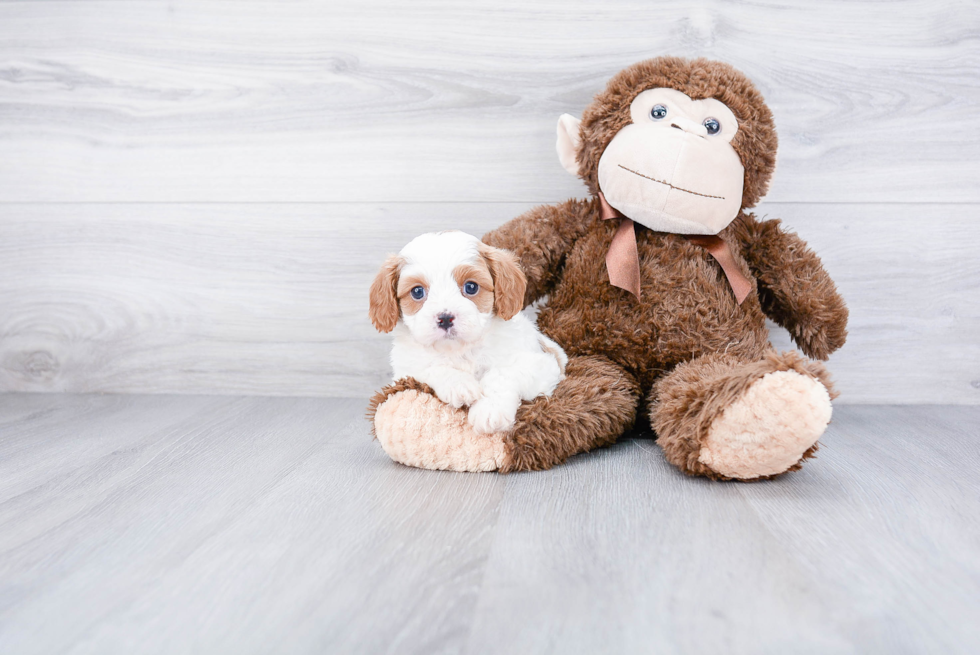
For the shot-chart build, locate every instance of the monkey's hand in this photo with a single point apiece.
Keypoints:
(794, 289)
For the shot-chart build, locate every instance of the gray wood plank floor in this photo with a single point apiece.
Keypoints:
(222, 524)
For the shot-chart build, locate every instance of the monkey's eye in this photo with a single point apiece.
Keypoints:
(712, 125)
(658, 112)
(471, 288)
(418, 293)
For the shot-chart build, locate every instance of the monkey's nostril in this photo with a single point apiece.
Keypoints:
(445, 320)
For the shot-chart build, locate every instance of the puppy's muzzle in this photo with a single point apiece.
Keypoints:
(445, 320)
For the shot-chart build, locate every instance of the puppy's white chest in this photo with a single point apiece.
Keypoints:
(465, 362)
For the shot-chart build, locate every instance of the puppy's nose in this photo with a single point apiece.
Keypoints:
(445, 320)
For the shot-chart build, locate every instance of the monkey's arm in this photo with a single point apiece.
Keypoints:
(541, 238)
(794, 289)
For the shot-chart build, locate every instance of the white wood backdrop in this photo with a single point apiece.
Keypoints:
(194, 196)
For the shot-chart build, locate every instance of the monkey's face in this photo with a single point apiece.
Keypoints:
(673, 168)
(676, 145)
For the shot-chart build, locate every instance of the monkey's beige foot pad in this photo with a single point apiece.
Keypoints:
(769, 427)
(417, 429)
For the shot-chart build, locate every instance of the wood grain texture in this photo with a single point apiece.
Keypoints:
(266, 299)
(164, 101)
(162, 524)
(159, 539)
(864, 550)
(272, 299)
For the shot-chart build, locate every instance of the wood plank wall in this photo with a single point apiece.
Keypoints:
(194, 196)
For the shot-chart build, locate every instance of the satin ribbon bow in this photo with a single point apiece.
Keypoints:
(623, 261)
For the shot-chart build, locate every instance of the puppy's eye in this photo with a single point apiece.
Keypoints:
(712, 125)
(658, 112)
(418, 293)
(471, 288)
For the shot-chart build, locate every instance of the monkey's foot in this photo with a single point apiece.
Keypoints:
(768, 428)
(415, 428)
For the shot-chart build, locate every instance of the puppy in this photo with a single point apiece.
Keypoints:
(454, 304)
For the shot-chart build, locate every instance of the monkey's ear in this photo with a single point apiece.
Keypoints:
(569, 138)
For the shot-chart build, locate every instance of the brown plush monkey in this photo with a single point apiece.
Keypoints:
(658, 288)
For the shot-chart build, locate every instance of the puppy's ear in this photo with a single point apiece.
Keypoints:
(509, 283)
(384, 295)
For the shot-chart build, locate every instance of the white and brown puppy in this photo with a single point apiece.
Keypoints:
(454, 304)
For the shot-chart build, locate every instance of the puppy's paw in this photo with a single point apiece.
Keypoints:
(489, 415)
(458, 390)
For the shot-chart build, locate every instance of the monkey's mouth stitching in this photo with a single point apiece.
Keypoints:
(695, 193)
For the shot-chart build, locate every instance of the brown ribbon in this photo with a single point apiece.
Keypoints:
(623, 261)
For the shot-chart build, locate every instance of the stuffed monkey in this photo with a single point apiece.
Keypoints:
(658, 287)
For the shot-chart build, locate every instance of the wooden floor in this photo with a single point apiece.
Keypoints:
(144, 524)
